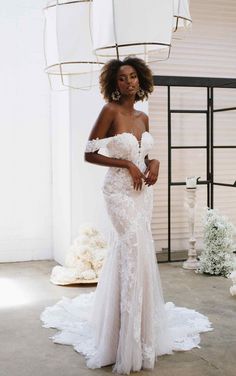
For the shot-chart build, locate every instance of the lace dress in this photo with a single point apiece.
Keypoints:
(125, 322)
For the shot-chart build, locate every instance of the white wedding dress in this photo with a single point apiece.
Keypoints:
(125, 322)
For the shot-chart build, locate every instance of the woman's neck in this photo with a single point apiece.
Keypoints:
(127, 104)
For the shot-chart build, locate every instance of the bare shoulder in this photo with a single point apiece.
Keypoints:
(111, 108)
(104, 122)
(108, 107)
(145, 119)
(143, 115)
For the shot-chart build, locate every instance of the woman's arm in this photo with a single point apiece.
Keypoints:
(152, 171)
(100, 130)
(153, 165)
(146, 122)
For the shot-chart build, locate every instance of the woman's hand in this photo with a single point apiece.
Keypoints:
(136, 175)
(152, 172)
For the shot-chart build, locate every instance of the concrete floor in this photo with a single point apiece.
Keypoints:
(26, 349)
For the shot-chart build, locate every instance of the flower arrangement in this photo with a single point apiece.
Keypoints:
(84, 259)
(217, 258)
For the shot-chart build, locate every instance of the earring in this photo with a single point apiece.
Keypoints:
(115, 95)
(140, 93)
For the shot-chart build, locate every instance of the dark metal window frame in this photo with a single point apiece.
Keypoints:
(209, 83)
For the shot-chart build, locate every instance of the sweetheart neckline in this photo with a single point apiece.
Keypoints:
(120, 134)
(139, 141)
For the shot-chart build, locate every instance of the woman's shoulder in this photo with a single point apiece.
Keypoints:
(107, 113)
(110, 107)
(142, 114)
(144, 118)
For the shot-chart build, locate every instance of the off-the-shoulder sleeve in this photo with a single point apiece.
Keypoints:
(96, 144)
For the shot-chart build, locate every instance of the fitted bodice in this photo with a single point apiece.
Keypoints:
(124, 146)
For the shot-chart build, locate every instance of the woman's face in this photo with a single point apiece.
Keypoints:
(127, 81)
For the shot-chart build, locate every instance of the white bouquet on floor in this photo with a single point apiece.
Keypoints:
(217, 258)
(84, 259)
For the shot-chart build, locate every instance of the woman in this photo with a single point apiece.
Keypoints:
(125, 321)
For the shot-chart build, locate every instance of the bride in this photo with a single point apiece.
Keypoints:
(125, 322)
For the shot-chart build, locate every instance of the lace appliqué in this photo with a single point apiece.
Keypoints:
(96, 144)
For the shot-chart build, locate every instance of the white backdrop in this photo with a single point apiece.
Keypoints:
(25, 189)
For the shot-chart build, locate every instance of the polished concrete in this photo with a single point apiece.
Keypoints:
(26, 349)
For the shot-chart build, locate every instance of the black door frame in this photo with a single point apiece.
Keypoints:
(209, 83)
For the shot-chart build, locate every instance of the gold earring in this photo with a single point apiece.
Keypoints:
(116, 95)
(140, 93)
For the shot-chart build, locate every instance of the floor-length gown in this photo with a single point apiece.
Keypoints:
(125, 322)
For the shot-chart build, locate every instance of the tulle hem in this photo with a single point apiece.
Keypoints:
(70, 317)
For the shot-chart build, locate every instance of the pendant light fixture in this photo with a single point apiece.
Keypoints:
(182, 18)
(132, 27)
(68, 44)
(81, 35)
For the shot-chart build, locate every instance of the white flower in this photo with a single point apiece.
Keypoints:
(233, 290)
(82, 240)
(88, 274)
(99, 254)
(233, 276)
(88, 230)
(81, 251)
(61, 275)
(85, 257)
(82, 266)
(100, 242)
(217, 257)
(97, 265)
(93, 243)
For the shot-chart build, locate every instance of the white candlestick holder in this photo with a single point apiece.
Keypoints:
(191, 262)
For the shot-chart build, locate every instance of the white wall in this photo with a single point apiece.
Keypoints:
(87, 199)
(25, 190)
(61, 174)
(77, 197)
